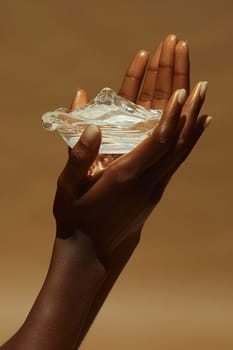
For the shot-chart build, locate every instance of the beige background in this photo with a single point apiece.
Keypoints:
(177, 291)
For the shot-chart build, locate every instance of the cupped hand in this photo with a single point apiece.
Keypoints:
(150, 81)
(116, 204)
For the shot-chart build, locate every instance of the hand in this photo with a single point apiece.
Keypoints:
(151, 85)
(168, 70)
(110, 208)
(151, 82)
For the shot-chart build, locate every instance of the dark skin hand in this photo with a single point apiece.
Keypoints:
(150, 85)
(137, 179)
(102, 216)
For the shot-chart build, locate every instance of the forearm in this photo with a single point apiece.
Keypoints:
(114, 265)
(72, 283)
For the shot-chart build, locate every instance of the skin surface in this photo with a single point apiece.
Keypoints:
(146, 82)
(95, 235)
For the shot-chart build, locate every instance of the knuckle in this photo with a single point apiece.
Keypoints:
(153, 69)
(146, 96)
(180, 74)
(163, 139)
(165, 65)
(75, 157)
(132, 76)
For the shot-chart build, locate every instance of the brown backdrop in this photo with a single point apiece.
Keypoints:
(176, 292)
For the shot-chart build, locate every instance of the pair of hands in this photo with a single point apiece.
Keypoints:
(114, 204)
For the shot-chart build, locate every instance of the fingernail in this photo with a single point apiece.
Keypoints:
(181, 96)
(172, 36)
(208, 121)
(79, 92)
(143, 53)
(184, 43)
(90, 135)
(203, 88)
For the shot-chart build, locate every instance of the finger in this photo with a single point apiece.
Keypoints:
(191, 110)
(148, 88)
(161, 173)
(164, 81)
(134, 76)
(81, 157)
(181, 67)
(80, 99)
(201, 125)
(151, 150)
(188, 123)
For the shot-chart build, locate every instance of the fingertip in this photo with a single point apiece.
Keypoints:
(203, 88)
(208, 121)
(181, 96)
(140, 59)
(80, 99)
(195, 90)
(199, 90)
(203, 122)
(171, 37)
(91, 135)
(182, 44)
(80, 93)
(143, 53)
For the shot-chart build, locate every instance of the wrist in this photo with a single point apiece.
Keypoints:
(79, 250)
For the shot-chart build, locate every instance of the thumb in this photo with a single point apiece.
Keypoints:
(82, 156)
